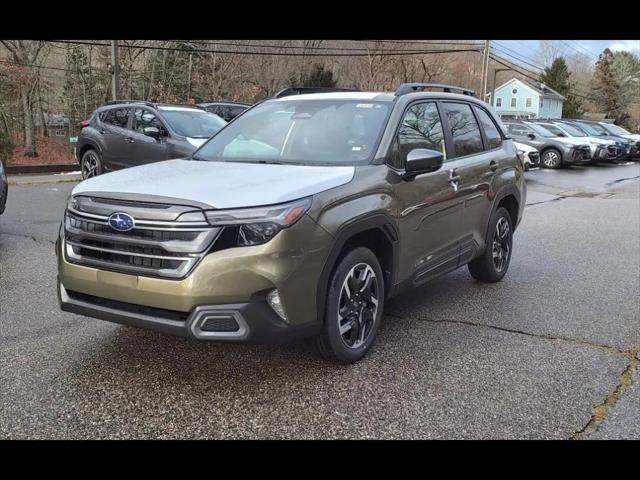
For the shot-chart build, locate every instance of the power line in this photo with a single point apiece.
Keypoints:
(301, 47)
(284, 54)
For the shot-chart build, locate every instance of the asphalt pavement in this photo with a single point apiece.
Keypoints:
(549, 352)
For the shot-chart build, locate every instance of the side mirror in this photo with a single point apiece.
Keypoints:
(422, 160)
(532, 136)
(153, 132)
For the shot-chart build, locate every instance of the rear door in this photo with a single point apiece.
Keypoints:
(474, 162)
(113, 127)
(146, 149)
(431, 211)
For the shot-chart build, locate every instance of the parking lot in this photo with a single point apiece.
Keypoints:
(550, 352)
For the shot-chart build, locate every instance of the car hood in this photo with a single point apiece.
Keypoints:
(196, 142)
(524, 147)
(572, 141)
(632, 136)
(218, 184)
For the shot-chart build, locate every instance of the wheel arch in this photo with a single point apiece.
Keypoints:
(376, 232)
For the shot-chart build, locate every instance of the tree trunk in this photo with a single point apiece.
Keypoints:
(29, 134)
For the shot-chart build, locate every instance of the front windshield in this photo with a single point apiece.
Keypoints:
(541, 130)
(190, 122)
(616, 130)
(305, 132)
(573, 131)
(593, 129)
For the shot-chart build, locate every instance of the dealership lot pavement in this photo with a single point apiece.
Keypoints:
(550, 352)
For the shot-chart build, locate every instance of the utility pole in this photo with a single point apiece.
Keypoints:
(189, 88)
(115, 66)
(485, 69)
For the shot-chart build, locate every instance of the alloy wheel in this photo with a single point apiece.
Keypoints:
(89, 166)
(358, 305)
(501, 248)
(551, 159)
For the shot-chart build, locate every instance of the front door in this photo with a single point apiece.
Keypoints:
(431, 209)
(147, 149)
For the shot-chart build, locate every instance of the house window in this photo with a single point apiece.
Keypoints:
(513, 102)
(498, 101)
(528, 104)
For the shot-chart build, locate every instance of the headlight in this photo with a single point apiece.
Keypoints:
(261, 224)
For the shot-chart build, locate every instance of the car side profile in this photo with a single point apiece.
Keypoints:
(298, 219)
(555, 151)
(125, 133)
(225, 110)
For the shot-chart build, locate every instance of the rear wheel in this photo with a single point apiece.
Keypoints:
(551, 158)
(492, 265)
(355, 300)
(91, 164)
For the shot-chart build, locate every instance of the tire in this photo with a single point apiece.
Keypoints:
(551, 158)
(91, 164)
(485, 268)
(362, 312)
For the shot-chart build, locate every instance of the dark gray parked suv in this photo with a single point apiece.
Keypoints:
(225, 110)
(127, 133)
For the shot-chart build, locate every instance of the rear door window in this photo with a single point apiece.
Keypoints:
(494, 139)
(118, 117)
(465, 132)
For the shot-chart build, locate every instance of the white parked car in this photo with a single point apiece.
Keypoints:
(530, 155)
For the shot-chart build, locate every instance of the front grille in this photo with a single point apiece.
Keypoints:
(154, 247)
(613, 150)
(582, 152)
(535, 158)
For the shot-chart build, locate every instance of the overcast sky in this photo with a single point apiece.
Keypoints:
(592, 48)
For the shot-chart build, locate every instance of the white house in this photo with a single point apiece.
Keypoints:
(527, 99)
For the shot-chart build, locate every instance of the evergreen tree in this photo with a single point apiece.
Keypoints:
(606, 89)
(558, 78)
(318, 76)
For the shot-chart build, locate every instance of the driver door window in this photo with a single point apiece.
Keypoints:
(143, 118)
(420, 128)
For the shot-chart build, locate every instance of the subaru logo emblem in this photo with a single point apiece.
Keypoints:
(122, 222)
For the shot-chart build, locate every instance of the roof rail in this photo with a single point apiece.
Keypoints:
(414, 87)
(116, 102)
(302, 90)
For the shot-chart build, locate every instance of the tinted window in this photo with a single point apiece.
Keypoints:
(420, 128)
(464, 129)
(118, 117)
(516, 129)
(490, 130)
(145, 118)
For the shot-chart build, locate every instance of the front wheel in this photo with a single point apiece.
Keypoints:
(91, 164)
(551, 158)
(492, 265)
(355, 300)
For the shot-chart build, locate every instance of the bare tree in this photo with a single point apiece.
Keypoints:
(26, 54)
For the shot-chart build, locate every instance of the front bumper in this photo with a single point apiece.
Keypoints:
(239, 322)
(229, 284)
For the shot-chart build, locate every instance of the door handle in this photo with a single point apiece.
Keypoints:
(493, 166)
(454, 179)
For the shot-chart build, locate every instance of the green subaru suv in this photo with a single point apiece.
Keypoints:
(298, 219)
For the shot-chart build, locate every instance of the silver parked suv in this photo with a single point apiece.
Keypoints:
(299, 218)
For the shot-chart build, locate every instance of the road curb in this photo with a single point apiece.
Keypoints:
(25, 181)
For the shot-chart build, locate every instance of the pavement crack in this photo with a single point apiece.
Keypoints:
(22, 235)
(562, 197)
(522, 332)
(622, 180)
(601, 411)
